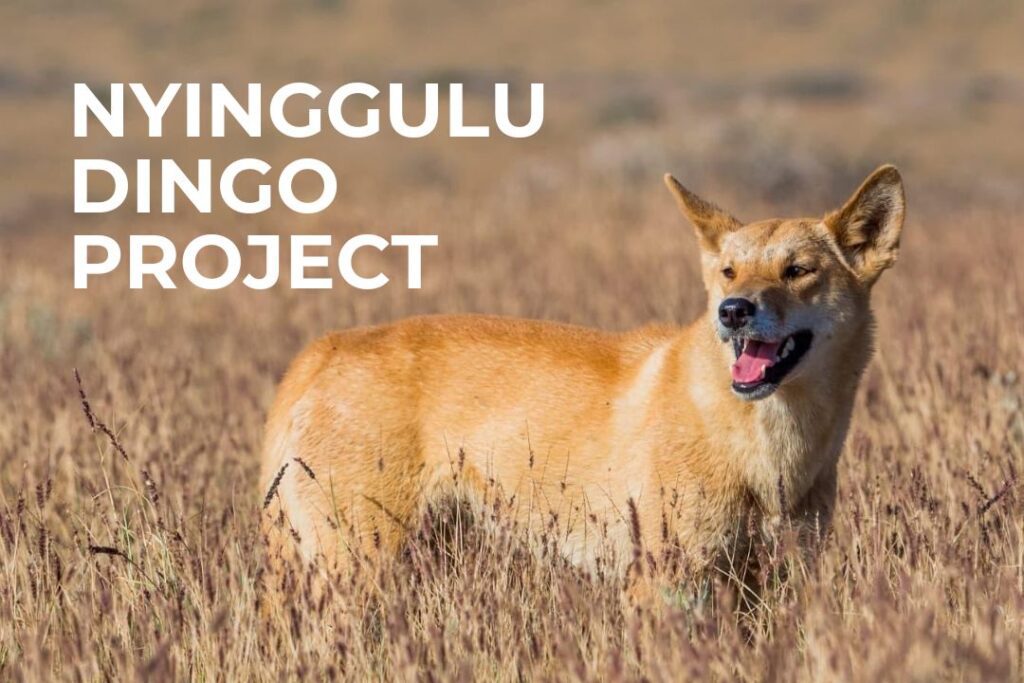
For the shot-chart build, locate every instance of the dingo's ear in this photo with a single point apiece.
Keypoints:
(868, 227)
(711, 222)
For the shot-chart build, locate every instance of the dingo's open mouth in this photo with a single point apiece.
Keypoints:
(761, 365)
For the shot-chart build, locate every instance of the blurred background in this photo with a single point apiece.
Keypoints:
(780, 103)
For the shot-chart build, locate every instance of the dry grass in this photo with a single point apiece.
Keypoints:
(128, 531)
(136, 550)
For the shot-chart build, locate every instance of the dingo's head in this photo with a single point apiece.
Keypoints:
(789, 298)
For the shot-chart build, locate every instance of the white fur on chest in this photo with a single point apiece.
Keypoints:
(792, 446)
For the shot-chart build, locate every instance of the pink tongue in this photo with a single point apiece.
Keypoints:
(753, 361)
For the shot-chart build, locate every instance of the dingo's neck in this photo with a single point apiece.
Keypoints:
(776, 447)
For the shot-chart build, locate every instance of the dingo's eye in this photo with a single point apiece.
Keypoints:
(729, 273)
(793, 272)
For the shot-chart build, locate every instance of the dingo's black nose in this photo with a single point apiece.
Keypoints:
(734, 312)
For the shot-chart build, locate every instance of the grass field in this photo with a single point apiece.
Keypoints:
(129, 541)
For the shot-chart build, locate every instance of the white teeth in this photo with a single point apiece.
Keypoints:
(762, 373)
(787, 348)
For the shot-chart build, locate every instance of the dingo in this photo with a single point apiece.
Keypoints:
(686, 432)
